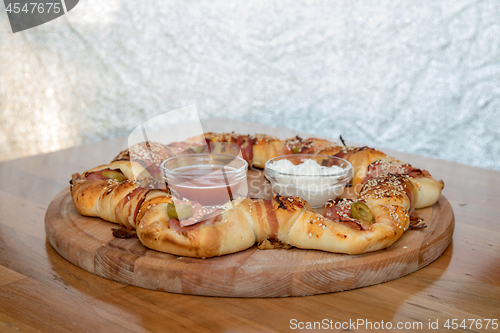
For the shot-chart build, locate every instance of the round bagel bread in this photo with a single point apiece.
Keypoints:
(128, 191)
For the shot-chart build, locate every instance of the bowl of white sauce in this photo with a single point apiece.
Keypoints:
(315, 178)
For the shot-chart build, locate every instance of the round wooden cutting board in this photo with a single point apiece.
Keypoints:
(89, 244)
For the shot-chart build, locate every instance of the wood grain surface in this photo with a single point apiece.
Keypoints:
(89, 244)
(40, 291)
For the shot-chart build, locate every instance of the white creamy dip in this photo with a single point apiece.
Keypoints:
(308, 167)
(308, 180)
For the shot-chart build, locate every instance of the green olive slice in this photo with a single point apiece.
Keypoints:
(296, 150)
(179, 212)
(112, 174)
(171, 212)
(360, 211)
(197, 149)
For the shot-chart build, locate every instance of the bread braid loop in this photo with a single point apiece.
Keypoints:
(385, 192)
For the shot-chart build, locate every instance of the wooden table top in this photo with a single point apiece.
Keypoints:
(42, 292)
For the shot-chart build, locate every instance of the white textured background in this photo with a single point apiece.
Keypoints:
(414, 76)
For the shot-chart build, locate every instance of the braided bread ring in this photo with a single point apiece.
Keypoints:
(388, 187)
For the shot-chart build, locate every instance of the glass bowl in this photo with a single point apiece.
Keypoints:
(315, 178)
(209, 179)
